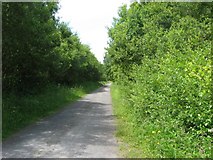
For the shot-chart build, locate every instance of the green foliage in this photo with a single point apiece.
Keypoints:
(160, 55)
(76, 62)
(28, 42)
(38, 50)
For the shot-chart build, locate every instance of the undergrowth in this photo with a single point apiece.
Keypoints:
(162, 136)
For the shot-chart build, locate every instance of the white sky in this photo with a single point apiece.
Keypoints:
(90, 19)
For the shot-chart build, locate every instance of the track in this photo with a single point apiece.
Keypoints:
(84, 129)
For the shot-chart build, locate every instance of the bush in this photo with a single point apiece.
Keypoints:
(168, 94)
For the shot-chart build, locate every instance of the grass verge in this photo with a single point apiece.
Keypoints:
(20, 111)
(125, 128)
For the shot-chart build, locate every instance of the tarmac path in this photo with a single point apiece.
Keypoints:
(84, 129)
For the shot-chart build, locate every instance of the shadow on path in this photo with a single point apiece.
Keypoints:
(83, 129)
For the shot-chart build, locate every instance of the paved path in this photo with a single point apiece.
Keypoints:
(84, 129)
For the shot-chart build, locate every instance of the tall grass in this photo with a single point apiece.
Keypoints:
(22, 110)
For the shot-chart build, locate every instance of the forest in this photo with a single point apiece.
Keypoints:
(43, 62)
(159, 58)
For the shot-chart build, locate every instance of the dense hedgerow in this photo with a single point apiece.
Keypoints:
(168, 91)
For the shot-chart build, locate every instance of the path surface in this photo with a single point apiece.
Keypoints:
(84, 129)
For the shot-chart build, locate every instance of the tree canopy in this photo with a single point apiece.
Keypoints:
(38, 49)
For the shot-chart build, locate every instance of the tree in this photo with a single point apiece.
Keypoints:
(28, 42)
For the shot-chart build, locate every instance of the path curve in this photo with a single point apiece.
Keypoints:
(84, 129)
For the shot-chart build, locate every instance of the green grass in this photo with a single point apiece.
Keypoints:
(129, 147)
(22, 110)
